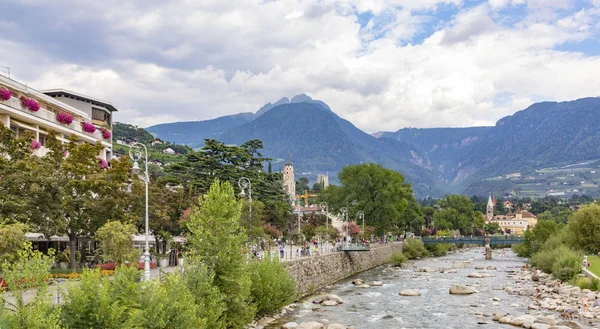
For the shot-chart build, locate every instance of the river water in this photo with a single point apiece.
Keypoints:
(383, 307)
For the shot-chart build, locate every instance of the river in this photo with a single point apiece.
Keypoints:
(383, 307)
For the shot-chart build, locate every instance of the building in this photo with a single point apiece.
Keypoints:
(58, 110)
(515, 223)
(156, 142)
(323, 180)
(169, 150)
(289, 181)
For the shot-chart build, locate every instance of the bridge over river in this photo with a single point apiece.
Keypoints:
(491, 240)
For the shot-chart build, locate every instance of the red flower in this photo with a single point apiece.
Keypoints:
(35, 145)
(5, 94)
(30, 104)
(64, 118)
(88, 127)
(105, 133)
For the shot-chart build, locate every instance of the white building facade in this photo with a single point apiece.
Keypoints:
(84, 112)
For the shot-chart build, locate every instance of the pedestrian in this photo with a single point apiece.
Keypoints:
(585, 302)
(281, 250)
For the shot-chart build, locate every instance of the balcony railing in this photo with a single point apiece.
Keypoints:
(51, 117)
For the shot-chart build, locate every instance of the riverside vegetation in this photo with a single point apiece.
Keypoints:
(558, 249)
(219, 287)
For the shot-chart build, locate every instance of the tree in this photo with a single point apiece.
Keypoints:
(583, 229)
(302, 185)
(536, 237)
(12, 242)
(456, 213)
(116, 242)
(382, 194)
(217, 238)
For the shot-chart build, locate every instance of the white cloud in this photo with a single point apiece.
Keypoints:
(160, 62)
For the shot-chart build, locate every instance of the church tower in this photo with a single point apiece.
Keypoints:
(489, 214)
(289, 181)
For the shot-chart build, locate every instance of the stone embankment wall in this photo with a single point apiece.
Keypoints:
(314, 273)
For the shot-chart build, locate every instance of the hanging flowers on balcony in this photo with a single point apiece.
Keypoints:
(105, 133)
(5, 94)
(88, 127)
(35, 145)
(64, 118)
(30, 104)
(103, 163)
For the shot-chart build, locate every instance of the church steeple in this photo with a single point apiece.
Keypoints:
(489, 214)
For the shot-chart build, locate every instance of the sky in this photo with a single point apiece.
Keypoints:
(382, 64)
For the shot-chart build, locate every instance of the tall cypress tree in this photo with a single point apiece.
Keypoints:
(269, 169)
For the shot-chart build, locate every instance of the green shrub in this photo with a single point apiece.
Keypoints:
(414, 248)
(522, 250)
(565, 274)
(438, 250)
(567, 258)
(397, 258)
(272, 287)
(583, 283)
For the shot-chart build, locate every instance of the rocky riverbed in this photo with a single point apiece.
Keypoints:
(461, 290)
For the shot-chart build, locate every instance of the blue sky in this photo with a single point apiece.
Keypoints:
(382, 64)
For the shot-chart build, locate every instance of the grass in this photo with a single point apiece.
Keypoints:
(594, 265)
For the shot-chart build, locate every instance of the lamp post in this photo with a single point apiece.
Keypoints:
(361, 215)
(325, 210)
(244, 183)
(136, 155)
(344, 212)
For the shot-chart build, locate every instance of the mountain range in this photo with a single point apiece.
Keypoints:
(434, 160)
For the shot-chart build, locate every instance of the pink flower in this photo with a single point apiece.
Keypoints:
(105, 133)
(88, 127)
(30, 104)
(64, 118)
(5, 94)
(103, 163)
(35, 145)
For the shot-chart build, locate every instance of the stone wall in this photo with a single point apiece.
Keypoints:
(314, 273)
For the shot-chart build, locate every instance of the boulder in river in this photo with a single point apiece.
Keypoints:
(409, 292)
(358, 282)
(377, 283)
(290, 325)
(329, 303)
(336, 326)
(310, 325)
(334, 298)
(461, 290)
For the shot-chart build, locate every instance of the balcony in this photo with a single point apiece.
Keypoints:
(51, 117)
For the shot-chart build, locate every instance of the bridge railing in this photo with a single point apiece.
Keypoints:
(475, 240)
(354, 247)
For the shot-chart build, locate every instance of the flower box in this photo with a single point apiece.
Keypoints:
(30, 104)
(5, 94)
(105, 133)
(88, 127)
(103, 164)
(35, 145)
(64, 118)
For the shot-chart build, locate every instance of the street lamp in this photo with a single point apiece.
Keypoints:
(244, 183)
(135, 153)
(361, 215)
(344, 212)
(325, 210)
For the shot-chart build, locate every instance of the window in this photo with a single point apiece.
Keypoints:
(42, 139)
(98, 114)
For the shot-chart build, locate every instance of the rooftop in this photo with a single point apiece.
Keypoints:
(80, 97)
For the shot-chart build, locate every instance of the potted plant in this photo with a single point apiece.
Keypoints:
(105, 133)
(35, 145)
(64, 118)
(5, 94)
(30, 104)
(163, 260)
(63, 259)
(88, 127)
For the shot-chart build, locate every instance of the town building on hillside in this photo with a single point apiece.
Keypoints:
(323, 180)
(126, 141)
(289, 181)
(170, 151)
(67, 113)
(508, 204)
(515, 223)
(156, 142)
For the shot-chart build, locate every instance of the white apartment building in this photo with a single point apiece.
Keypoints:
(82, 109)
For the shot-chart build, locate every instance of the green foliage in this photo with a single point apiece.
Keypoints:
(123, 130)
(216, 238)
(583, 229)
(116, 242)
(414, 248)
(536, 237)
(397, 258)
(438, 250)
(586, 283)
(562, 262)
(12, 241)
(384, 196)
(207, 297)
(457, 213)
(31, 270)
(272, 287)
